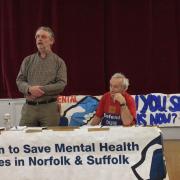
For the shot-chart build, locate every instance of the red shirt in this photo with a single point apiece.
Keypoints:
(110, 111)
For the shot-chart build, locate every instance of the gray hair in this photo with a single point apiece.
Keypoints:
(47, 29)
(125, 80)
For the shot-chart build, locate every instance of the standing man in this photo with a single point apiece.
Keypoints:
(41, 78)
(116, 107)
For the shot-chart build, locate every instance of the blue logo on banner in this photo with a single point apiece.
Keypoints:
(158, 168)
(80, 113)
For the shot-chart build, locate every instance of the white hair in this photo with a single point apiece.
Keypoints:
(125, 80)
(47, 29)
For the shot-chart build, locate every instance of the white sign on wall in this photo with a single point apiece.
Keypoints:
(154, 109)
(158, 109)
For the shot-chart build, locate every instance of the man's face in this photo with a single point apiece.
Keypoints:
(44, 41)
(116, 86)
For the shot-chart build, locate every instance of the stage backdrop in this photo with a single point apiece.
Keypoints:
(96, 38)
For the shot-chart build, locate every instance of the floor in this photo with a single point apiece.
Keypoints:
(172, 156)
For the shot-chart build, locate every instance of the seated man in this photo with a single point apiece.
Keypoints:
(116, 107)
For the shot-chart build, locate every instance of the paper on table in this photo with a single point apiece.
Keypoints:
(18, 128)
(35, 129)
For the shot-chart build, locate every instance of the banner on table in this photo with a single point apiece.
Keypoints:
(129, 153)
